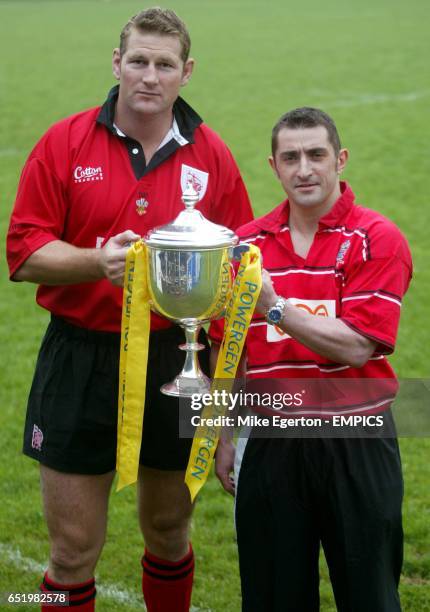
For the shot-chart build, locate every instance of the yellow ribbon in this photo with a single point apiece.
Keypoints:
(239, 312)
(135, 325)
(135, 328)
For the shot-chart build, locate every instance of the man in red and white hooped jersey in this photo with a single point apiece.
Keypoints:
(335, 274)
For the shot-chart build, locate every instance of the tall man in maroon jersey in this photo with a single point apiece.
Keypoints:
(329, 309)
(93, 183)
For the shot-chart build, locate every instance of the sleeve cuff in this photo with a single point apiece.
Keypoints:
(384, 345)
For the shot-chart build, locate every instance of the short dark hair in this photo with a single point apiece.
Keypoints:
(160, 21)
(306, 117)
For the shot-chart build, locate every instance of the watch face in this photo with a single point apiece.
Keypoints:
(275, 315)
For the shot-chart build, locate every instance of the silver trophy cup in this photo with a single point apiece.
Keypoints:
(190, 280)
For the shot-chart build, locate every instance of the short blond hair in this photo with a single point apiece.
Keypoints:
(160, 21)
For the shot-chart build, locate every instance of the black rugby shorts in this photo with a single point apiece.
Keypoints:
(71, 422)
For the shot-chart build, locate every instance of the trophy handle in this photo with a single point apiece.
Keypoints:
(191, 380)
(240, 248)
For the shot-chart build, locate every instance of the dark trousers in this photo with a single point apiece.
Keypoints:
(294, 494)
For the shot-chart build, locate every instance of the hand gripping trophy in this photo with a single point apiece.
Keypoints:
(190, 280)
(183, 271)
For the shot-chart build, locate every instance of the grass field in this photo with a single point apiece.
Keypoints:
(366, 63)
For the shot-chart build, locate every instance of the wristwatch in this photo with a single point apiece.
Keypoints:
(275, 313)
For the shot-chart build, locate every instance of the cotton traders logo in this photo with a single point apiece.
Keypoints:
(318, 308)
(197, 178)
(84, 175)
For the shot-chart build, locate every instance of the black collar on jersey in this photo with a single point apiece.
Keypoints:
(186, 118)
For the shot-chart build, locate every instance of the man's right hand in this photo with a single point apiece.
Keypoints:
(224, 464)
(113, 254)
(61, 263)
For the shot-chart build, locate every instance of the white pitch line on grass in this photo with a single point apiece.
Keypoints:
(375, 98)
(109, 591)
(364, 98)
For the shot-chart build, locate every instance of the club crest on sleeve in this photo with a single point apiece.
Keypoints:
(198, 178)
(37, 438)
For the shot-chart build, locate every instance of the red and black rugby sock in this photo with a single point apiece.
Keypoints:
(82, 597)
(167, 585)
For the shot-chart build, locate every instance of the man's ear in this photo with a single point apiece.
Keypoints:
(116, 64)
(273, 166)
(342, 160)
(187, 71)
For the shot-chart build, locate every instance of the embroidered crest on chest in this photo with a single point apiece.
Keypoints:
(198, 178)
(340, 257)
(141, 205)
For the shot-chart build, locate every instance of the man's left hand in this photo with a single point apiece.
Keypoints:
(268, 295)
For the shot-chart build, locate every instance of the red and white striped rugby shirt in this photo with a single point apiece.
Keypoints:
(358, 269)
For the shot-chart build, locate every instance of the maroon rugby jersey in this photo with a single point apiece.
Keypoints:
(79, 186)
(357, 269)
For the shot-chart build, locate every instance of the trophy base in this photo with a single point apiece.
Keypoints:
(183, 386)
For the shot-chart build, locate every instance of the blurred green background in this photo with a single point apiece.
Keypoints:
(366, 64)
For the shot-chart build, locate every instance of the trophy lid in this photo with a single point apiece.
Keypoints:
(190, 229)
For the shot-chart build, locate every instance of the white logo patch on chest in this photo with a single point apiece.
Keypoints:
(318, 308)
(198, 178)
(85, 175)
